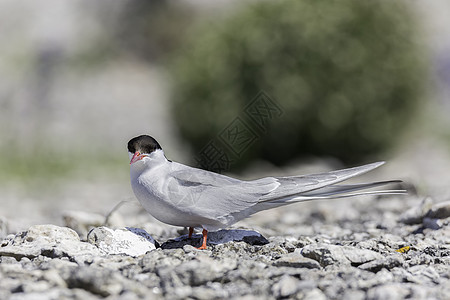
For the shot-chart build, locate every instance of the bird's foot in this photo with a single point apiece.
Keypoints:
(205, 235)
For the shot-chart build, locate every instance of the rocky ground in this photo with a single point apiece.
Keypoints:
(367, 248)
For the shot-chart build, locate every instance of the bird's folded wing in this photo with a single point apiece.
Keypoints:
(204, 193)
(200, 192)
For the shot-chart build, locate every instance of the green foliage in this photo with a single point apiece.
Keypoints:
(347, 74)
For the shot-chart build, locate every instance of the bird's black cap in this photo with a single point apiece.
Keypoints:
(143, 144)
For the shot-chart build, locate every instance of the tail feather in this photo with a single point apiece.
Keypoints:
(316, 184)
(322, 187)
(341, 191)
(337, 196)
(345, 188)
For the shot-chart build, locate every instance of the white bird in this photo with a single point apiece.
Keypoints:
(180, 195)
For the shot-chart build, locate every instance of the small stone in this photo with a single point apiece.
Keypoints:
(315, 294)
(424, 273)
(388, 292)
(285, 287)
(333, 254)
(129, 241)
(207, 293)
(95, 280)
(54, 278)
(432, 223)
(354, 295)
(8, 260)
(415, 214)
(296, 260)
(388, 262)
(439, 210)
(195, 272)
(382, 277)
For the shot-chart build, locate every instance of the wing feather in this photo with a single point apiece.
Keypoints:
(295, 185)
(200, 192)
(203, 193)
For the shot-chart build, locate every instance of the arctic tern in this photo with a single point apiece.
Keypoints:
(180, 195)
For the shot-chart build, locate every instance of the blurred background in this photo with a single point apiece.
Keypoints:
(247, 88)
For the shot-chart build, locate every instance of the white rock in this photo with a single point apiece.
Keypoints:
(47, 240)
(315, 294)
(286, 286)
(129, 241)
(391, 291)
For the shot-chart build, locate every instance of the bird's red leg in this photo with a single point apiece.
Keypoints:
(191, 231)
(205, 235)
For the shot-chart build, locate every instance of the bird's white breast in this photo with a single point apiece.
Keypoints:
(150, 187)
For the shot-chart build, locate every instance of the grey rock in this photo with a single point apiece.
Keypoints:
(439, 210)
(209, 291)
(102, 281)
(333, 254)
(382, 277)
(8, 260)
(159, 259)
(218, 237)
(50, 241)
(432, 223)
(129, 241)
(354, 295)
(95, 280)
(388, 292)
(180, 292)
(249, 271)
(236, 235)
(415, 214)
(296, 260)
(190, 273)
(388, 262)
(395, 291)
(424, 273)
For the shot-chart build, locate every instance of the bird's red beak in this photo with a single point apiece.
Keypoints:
(136, 157)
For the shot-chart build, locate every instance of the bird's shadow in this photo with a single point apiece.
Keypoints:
(217, 237)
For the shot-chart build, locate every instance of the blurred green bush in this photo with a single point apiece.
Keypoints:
(348, 76)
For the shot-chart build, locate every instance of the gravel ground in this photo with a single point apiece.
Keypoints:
(364, 248)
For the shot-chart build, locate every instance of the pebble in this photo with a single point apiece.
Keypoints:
(296, 260)
(327, 254)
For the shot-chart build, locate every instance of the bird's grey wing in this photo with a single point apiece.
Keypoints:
(216, 196)
(296, 185)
